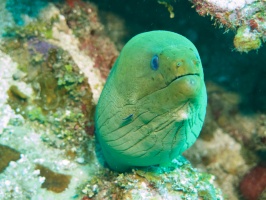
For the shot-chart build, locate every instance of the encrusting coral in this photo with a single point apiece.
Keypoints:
(247, 17)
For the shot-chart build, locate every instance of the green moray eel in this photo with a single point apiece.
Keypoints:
(153, 104)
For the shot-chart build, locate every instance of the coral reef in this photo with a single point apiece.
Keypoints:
(178, 181)
(62, 97)
(84, 22)
(47, 105)
(21, 9)
(233, 144)
(248, 17)
(20, 179)
(47, 108)
(54, 58)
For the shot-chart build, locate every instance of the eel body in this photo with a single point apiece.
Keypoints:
(153, 104)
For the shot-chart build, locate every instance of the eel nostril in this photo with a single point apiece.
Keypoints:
(179, 64)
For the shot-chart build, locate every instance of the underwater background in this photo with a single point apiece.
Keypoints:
(55, 56)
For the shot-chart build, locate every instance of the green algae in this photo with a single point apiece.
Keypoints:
(36, 114)
(17, 42)
(53, 88)
(62, 97)
(41, 29)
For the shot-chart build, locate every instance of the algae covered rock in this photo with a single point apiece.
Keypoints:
(177, 181)
(246, 40)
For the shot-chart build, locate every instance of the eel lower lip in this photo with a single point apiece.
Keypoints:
(184, 75)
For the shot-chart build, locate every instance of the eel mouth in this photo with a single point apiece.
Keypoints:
(184, 75)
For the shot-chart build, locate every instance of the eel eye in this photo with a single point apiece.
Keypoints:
(155, 62)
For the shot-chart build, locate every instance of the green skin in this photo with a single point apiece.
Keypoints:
(147, 117)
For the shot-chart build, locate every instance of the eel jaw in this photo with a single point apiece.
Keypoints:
(183, 75)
